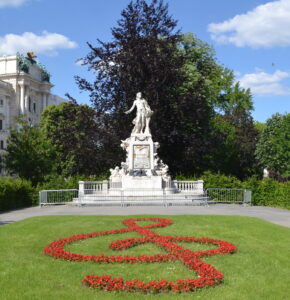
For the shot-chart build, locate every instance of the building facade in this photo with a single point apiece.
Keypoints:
(25, 90)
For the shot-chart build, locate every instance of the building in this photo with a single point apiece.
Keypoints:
(25, 90)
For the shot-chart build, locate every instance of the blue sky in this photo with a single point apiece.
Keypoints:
(251, 37)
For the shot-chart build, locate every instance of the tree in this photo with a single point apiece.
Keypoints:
(234, 138)
(178, 74)
(28, 153)
(141, 57)
(211, 85)
(273, 148)
(78, 137)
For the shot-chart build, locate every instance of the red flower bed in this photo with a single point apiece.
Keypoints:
(207, 274)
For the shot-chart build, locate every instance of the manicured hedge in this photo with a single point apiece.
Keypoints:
(15, 193)
(269, 192)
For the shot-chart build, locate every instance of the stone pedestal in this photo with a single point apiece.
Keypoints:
(143, 172)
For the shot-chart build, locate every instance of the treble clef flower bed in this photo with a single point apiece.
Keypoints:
(208, 276)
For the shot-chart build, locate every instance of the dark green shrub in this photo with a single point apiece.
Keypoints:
(220, 181)
(269, 192)
(15, 193)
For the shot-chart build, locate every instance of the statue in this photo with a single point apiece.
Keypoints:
(143, 115)
(31, 55)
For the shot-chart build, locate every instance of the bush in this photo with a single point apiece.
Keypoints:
(269, 192)
(15, 193)
(55, 182)
(220, 181)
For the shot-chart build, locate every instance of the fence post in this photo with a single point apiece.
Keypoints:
(81, 188)
(105, 186)
(40, 199)
(175, 184)
(247, 197)
(200, 186)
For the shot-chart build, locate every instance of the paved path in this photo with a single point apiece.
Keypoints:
(274, 215)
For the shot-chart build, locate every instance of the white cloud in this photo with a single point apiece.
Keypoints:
(265, 84)
(266, 25)
(13, 3)
(46, 43)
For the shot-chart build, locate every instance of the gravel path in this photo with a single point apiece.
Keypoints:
(274, 215)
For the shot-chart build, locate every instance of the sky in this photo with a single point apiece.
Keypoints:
(250, 37)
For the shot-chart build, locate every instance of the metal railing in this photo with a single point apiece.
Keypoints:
(55, 197)
(240, 196)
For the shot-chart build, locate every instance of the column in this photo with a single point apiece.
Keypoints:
(27, 99)
(21, 100)
(44, 101)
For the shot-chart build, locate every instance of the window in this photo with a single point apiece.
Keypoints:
(34, 107)
(1, 102)
(29, 104)
(1, 145)
(1, 124)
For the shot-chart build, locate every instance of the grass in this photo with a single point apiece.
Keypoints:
(259, 270)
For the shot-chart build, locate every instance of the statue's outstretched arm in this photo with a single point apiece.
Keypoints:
(128, 111)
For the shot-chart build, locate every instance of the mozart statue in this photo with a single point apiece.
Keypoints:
(143, 115)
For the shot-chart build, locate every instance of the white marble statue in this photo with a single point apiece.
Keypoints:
(115, 175)
(143, 115)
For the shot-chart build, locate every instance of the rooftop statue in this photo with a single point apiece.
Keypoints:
(143, 115)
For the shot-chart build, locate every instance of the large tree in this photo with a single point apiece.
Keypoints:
(178, 74)
(78, 137)
(273, 148)
(29, 154)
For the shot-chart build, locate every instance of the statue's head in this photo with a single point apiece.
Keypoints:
(139, 95)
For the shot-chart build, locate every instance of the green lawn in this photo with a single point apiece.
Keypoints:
(259, 270)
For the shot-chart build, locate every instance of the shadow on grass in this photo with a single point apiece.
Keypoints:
(5, 222)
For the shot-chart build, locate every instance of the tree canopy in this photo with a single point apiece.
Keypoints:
(273, 148)
(178, 74)
(29, 154)
(78, 137)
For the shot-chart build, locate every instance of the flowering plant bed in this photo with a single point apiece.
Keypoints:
(207, 275)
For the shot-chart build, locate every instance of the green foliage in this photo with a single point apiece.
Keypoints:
(220, 181)
(54, 182)
(259, 126)
(269, 192)
(79, 139)
(29, 154)
(15, 193)
(273, 148)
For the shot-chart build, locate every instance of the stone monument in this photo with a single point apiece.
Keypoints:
(143, 170)
(143, 177)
